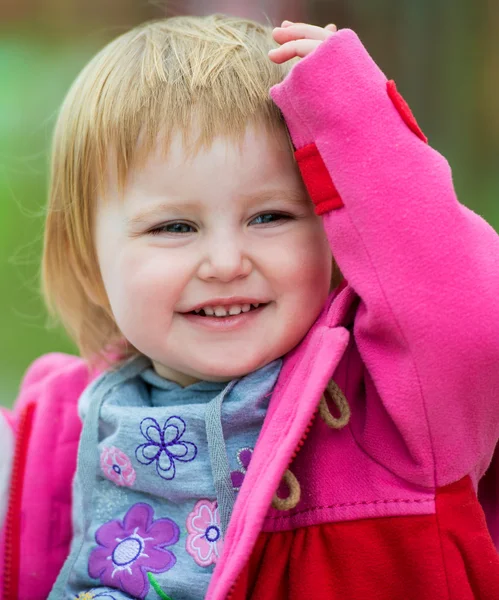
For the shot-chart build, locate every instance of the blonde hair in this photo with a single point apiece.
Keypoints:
(202, 76)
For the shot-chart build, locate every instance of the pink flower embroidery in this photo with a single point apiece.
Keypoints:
(117, 467)
(204, 542)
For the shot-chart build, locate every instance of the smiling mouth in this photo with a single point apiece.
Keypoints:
(201, 313)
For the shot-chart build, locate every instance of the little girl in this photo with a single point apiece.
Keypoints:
(256, 425)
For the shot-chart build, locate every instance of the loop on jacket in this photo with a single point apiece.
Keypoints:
(341, 404)
(288, 478)
(294, 493)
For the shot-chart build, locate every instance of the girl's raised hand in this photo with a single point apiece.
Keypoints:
(298, 40)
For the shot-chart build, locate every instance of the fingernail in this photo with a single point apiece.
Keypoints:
(287, 23)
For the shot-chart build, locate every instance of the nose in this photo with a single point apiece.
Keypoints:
(224, 260)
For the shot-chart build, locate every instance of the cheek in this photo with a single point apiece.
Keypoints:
(141, 283)
(308, 265)
(305, 284)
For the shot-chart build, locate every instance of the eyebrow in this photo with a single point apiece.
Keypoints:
(293, 197)
(158, 210)
(290, 196)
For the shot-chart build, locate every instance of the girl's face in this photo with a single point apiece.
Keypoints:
(232, 226)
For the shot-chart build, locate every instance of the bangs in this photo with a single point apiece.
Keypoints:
(200, 77)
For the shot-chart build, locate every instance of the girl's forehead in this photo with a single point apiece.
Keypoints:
(226, 177)
(258, 164)
(258, 153)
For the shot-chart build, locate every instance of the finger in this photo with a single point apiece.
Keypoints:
(299, 31)
(293, 49)
(331, 27)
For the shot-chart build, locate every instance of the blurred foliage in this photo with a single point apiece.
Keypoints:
(443, 56)
(35, 74)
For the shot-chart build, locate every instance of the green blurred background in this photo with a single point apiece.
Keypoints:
(444, 56)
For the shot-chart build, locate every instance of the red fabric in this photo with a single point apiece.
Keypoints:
(404, 110)
(488, 495)
(471, 559)
(442, 556)
(317, 180)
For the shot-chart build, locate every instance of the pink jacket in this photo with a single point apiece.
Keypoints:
(412, 341)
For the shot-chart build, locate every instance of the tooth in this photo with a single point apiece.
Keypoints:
(255, 305)
(246, 308)
(198, 311)
(209, 311)
(234, 310)
(220, 311)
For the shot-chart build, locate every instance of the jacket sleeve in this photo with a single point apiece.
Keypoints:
(9, 420)
(45, 432)
(426, 268)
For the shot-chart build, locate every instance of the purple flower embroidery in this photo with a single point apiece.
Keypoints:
(164, 445)
(117, 467)
(243, 458)
(129, 548)
(204, 542)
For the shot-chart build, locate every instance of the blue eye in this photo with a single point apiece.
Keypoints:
(176, 228)
(266, 218)
(179, 228)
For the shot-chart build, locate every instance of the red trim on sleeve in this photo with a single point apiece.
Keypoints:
(12, 558)
(317, 179)
(404, 110)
